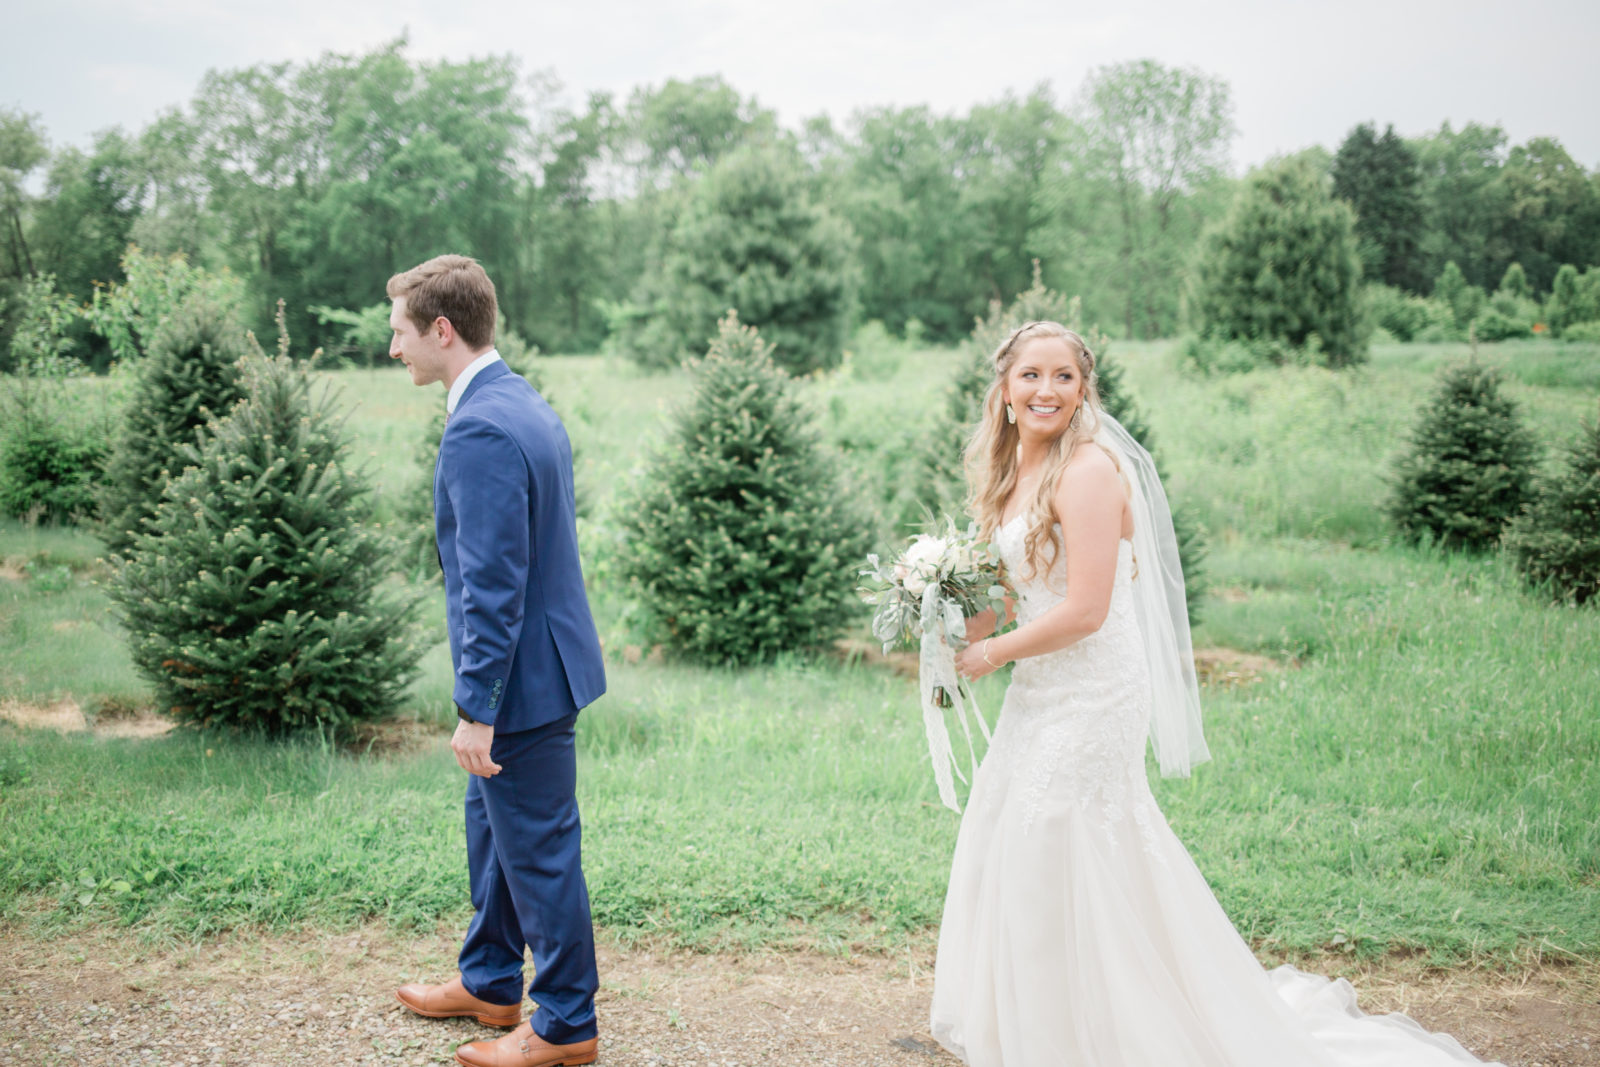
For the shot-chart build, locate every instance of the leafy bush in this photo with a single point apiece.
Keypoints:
(191, 374)
(1282, 264)
(1574, 298)
(736, 535)
(1556, 541)
(1405, 316)
(252, 598)
(1491, 325)
(1582, 331)
(752, 239)
(1469, 464)
(129, 315)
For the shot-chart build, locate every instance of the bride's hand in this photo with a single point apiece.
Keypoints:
(972, 663)
(981, 625)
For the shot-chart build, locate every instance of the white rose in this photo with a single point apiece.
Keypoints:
(921, 563)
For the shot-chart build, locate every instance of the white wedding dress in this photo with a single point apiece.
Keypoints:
(1077, 930)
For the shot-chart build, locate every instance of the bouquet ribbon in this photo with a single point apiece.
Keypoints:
(942, 617)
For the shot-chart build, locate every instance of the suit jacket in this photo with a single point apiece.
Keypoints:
(522, 640)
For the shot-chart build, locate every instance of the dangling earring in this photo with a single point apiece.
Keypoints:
(1076, 422)
(1011, 415)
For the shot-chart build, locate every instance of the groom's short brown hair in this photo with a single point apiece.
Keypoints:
(450, 287)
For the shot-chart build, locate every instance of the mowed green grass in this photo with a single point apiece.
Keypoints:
(1419, 774)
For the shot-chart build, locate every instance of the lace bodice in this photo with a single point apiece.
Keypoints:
(1074, 723)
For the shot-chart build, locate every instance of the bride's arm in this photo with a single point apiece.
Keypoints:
(1089, 503)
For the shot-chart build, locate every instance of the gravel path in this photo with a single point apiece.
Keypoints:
(107, 998)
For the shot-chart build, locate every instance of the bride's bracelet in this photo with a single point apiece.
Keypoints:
(984, 652)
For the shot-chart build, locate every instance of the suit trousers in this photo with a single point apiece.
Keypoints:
(524, 858)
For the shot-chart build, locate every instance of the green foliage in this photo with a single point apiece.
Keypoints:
(737, 538)
(1582, 331)
(1464, 300)
(752, 239)
(1514, 283)
(190, 375)
(1469, 463)
(253, 598)
(1157, 136)
(129, 314)
(1282, 264)
(1407, 317)
(1574, 299)
(366, 334)
(48, 470)
(1556, 541)
(1493, 325)
(1378, 177)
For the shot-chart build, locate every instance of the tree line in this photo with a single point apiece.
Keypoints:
(629, 222)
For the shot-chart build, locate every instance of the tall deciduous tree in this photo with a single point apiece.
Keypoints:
(1159, 133)
(1378, 177)
(1464, 201)
(22, 149)
(1552, 210)
(1282, 264)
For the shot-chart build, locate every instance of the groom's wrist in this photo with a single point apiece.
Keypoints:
(464, 717)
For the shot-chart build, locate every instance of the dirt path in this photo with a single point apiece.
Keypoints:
(105, 998)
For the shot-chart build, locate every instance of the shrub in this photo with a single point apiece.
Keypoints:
(48, 470)
(191, 374)
(129, 315)
(1574, 298)
(752, 239)
(1464, 301)
(1282, 264)
(1556, 541)
(1470, 461)
(252, 599)
(1491, 325)
(1582, 331)
(737, 538)
(1405, 316)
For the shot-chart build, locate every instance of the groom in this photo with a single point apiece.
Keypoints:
(526, 659)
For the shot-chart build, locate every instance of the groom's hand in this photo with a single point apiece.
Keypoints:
(471, 745)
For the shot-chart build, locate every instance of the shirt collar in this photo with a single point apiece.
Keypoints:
(464, 379)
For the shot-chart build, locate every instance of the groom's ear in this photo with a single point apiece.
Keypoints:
(445, 329)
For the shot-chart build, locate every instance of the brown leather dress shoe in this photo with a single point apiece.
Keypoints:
(524, 1048)
(452, 999)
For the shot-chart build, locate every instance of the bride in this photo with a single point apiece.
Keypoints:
(1076, 929)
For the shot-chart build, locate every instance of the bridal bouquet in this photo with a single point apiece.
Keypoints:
(962, 572)
(925, 598)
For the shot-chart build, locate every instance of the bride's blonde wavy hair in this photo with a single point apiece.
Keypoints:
(991, 454)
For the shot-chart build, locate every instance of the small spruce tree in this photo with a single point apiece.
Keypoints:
(252, 597)
(1556, 541)
(190, 374)
(737, 537)
(1469, 465)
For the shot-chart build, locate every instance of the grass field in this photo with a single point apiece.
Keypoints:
(1418, 771)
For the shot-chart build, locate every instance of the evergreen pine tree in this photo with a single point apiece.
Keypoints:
(252, 598)
(942, 480)
(1378, 177)
(737, 537)
(1469, 465)
(191, 373)
(1557, 539)
(1282, 264)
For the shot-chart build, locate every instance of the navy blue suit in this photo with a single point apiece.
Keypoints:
(527, 659)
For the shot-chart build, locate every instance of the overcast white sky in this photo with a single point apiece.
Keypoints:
(1301, 73)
